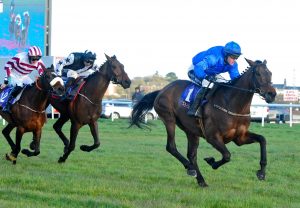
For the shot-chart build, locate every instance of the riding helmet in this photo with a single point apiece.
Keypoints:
(232, 49)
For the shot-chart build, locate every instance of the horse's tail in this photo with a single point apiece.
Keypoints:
(141, 109)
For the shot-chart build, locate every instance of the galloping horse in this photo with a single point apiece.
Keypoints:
(86, 108)
(28, 113)
(225, 117)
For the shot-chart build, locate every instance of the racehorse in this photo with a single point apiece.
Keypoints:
(226, 117)
(86, 107)
(28, 113)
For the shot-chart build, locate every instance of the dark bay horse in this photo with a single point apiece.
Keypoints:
(86, 108)
(225, 117)
(28, 113)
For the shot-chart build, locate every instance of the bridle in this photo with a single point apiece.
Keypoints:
(114, 77)
(257, 86)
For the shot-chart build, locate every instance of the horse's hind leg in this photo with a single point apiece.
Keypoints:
(171, 146)
(35, 144)
(57, 126)
(6, 133)
(251, 138)
(219, 145)
(94, 130)
(193, 143)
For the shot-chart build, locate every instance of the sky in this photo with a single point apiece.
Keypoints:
(163, 35)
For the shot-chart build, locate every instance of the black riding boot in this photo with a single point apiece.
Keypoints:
(195, 109)
(13, 93)
(68, 84)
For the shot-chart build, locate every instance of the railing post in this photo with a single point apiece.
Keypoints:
(291, 115)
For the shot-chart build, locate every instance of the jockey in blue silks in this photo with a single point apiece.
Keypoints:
(207, 64)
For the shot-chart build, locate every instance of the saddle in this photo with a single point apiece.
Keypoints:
(74, 88)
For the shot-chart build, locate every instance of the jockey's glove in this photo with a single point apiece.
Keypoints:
(7, 80)
(210, 78)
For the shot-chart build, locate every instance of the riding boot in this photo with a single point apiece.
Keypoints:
(13, 93)
(195, 109)
(68, 88)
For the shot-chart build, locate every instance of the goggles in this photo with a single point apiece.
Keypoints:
(35, 58)
(89, 61)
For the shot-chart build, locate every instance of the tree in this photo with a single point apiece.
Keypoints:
(171, 76)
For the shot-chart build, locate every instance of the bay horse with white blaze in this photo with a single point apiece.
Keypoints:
(226, 117)
(28, 113)
(87, 106)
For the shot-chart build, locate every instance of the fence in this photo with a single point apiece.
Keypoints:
(292, 118)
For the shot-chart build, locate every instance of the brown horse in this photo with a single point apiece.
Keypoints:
(86, 108)
(225, 117)
(28, 113)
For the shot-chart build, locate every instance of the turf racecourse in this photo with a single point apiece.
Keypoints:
(132, 169)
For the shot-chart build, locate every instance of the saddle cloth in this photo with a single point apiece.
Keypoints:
(189, 94)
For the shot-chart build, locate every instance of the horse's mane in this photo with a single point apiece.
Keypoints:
(233, 81)
(99, 69)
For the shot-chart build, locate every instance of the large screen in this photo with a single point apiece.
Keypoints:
(22, 24)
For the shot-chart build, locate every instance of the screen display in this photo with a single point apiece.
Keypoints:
(22, 24)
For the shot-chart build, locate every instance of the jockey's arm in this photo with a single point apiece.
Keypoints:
(7, 79)
(205, 64)
(41, 67)
(234, 72)
(64, 62)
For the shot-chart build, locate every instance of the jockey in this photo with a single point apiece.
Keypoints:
(207, 64)
(77, 65)
(18, 69)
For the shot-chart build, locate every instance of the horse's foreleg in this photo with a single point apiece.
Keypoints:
(219, 145)
(193, 143)
(6, 133)
(35, 144)
(57, 126)
(171, 145)
(251, 138)
(14, 153)
(73, 136)
(94, 130)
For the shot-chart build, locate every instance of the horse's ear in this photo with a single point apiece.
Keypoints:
(107, 57)
(251, 63)
(265, 62)
(52, 67)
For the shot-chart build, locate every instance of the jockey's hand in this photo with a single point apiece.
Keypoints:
(210, 78)
(3, 86)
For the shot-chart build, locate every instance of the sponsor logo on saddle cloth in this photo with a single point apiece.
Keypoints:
(189, 94)
(4, 96)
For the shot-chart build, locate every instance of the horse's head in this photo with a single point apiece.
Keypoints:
(49, 81)
(119, 76)
(262, 80)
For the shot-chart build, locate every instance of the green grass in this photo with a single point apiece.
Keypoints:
(132, 169)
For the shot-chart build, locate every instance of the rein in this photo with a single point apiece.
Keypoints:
(230, 112)
(25, 106)
(31, 109)
(88, 99)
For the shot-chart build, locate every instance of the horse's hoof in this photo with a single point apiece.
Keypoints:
(32, 145)
(11, 157)
(202, 184)
(210, 160)
(192, 173)
(85, 148)
(61, 160)
(26, 152)
(260, 175)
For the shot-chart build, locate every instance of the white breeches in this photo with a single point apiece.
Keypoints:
(20, 80)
